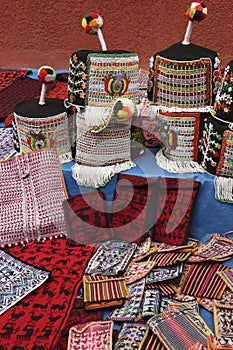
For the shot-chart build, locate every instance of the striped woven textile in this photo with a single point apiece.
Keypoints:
(151, 342)
(102, 288)
(177, 331)
(168, 259)
(203, 280)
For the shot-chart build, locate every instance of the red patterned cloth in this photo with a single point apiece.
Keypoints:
(36, 322)
(174, 207)
(87, 219)
(7, 76)
(133, 201)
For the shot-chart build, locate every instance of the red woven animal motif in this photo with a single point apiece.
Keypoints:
(174, 207)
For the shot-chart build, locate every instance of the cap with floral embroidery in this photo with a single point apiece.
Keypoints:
(223, 105)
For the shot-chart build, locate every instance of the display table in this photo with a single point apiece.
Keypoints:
(209, 216)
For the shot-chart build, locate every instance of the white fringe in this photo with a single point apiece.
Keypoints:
(89, 176)
(65, 157)
(177, 166)
(223, 189)
(97, 118)
(155, 109)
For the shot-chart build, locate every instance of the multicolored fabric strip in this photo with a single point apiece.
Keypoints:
(91, 336)
(151, 342)
(177, 331)
(208, 304)
(160, 274)
(138, 270)
(178, 299)
(130, 309)
(202, 280)
(170, 258)
(227, 277)
(104, 289)
(130, 336)
(219, 248)
(223, 316)
(111, 258)
(220, 342)
(151, 301)
(191, 245)
(17, 280)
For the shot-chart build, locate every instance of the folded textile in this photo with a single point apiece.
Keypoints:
(87, 218)
(111, 258)
(104, 291)
(174, 208)
(91, 336)
(17, 280)
(31, 195)
(133, 207)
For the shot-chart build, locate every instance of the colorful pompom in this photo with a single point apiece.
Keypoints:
(197, 11)
(123, 109)
(46, 74)
(92, 22)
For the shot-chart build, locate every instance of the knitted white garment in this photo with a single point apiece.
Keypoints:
(223, 189)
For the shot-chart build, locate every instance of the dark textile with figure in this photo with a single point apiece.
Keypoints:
(174, 207)
(36, 322)
(87, 219)
(132, 205)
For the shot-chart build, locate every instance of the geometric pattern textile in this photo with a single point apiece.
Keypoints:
(223, 319)
(128, 312)
(151, 342)
(91, 336)
(130, 336)
(17, 280)
(111, 258)
(203, 280)
(36, 321)
(31, 195)
(227, 277)
(103, 288)
(6, 143)
(219, 248)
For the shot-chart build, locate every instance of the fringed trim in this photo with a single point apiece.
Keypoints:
(65, 157)
(223, 189)
(155, 109)
(97, 118)
(89, 176)
(177, 166)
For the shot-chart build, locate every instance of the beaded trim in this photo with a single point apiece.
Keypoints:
(183, 84)
(119, 68)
